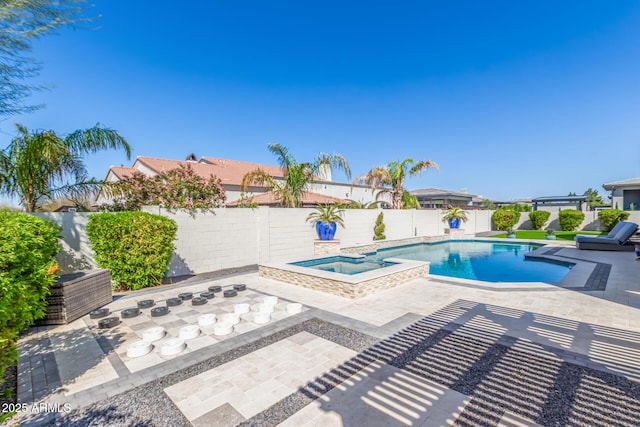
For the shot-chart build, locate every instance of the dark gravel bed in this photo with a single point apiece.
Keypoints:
(9, 387)
(148, 405)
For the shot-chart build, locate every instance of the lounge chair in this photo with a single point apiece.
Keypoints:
(616, 240)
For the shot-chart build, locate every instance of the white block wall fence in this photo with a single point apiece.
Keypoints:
(226, 238)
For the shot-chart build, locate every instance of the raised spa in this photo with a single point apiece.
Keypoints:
(343, 264)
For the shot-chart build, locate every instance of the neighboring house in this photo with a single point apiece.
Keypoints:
(309, 200)
(625, 194)
(231, 172)
(437, 198)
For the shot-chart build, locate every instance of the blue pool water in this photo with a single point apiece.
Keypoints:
(344, 265)
(479, 260)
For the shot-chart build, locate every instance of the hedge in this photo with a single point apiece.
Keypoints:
(610, 217)
(538, 219)
(28, 246)
(505, 218)
(570, 219)
(135, 246)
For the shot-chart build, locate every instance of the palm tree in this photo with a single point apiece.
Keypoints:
(389, 179)
(42, 165)
(296, 176)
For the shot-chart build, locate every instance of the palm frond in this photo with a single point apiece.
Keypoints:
(422, 165)
(96, 139)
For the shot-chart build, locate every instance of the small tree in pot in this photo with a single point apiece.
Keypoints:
(454, 215)
(326, 220)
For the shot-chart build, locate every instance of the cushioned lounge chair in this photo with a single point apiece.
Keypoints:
(616, 240)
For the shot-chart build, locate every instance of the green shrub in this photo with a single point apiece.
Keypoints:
(610, 217)
(378, 229)
(28, 245)
(505, 218)
(135, 246)
(538, 219)
(570, 219)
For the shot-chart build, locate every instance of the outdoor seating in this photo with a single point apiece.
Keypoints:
(616, 240)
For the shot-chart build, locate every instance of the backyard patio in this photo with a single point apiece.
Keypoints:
(433, 351)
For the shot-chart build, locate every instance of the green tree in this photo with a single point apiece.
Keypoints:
(22, 22)
(593, 198)
(297, 176)
(41, 165)
(389, 179)
(409, 201)
(488, 204)
(379, 227)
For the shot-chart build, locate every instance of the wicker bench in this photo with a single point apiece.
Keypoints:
(75, 295)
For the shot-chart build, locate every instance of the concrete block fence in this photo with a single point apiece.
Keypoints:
(227, 238)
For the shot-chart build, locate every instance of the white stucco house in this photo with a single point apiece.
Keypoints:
(230, 172)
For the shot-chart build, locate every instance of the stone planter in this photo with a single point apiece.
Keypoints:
(75, 295)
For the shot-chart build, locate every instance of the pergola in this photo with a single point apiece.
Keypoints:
(559, 200)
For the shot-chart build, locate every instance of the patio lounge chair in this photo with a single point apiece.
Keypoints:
(616, 240)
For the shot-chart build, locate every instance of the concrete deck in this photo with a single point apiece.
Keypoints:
(434, 351)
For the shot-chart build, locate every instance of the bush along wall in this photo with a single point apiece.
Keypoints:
(538, 219)
(135, 246)
(505, 218)
(610, 217)
(28, 246)
(570, 219)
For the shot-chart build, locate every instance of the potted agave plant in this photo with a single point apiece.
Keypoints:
(454, 216)
(550, 234)
(326, 220)
(511, 233)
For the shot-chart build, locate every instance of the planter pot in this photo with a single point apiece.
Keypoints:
(511, 236)
(638, 251)
(326, 231)
(550, 237)
(454, 223)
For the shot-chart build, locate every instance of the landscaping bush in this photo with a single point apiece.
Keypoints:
(505, 218)
(570, 219)
(28, 245)
(538, 219)
(378, 229)
(135, 246)
(610, 217)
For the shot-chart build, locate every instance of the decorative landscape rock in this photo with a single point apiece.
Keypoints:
(159, 311)
(185, 296)
(99, 313)
(207, 320)
(240, 287)
(128, 313)
(215, 288)
(189, 332)
(172, 346)
(172, 302)
(109, 322)
(146, 303)
(208, 295)
(138, 349)
(199, 301)
(229, 293)
(153, 334)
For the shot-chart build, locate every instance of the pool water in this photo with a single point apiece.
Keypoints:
(343, 265)
(480, 260)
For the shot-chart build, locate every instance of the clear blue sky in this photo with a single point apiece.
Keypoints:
(511, 99)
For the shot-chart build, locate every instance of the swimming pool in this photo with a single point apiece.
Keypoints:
(479, 260)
